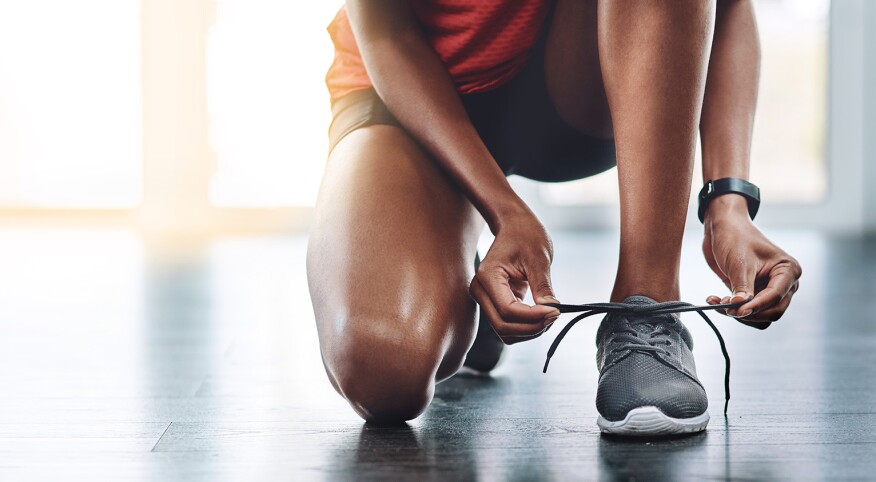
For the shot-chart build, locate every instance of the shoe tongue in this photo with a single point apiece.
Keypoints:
(639, 300)
(649, 324)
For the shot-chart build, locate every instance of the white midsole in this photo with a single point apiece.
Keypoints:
(468, 371)
(650, 421)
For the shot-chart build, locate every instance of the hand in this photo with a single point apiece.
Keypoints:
(519, 258)
(749, 264)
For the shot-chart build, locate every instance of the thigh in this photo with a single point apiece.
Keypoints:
(572, 70)
(390, 259)
(551, 121)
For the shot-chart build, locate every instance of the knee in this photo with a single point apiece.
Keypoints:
(385, 376)
(388, 397)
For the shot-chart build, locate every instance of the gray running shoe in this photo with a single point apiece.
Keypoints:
(486, 352)
(488, 349)
(648, 382)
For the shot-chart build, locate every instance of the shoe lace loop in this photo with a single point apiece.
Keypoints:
(625, 342)
(635, 341)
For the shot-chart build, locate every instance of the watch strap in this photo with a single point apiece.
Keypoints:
(728, 185)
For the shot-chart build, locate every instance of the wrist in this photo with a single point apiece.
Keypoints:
(729, 206)
(504, 213)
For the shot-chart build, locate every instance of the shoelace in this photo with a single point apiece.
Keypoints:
(663, 308)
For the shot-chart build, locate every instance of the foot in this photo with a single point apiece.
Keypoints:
(486, 352)
(648, 383)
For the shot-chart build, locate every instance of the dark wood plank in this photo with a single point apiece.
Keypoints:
(119, 365)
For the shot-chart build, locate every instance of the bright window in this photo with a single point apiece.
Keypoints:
(267, 100)
(70, 96)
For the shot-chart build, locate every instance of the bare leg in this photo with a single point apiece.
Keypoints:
(654, 55)
(572, 72)
(575, 83)
(731, 92)
(389, 262)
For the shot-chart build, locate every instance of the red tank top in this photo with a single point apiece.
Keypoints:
(483, 44)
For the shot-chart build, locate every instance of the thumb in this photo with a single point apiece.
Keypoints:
(741, 283)
(540, 284)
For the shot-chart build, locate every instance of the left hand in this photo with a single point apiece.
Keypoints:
(748, 263)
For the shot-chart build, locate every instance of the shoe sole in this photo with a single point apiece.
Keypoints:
(651, 422)
(474, 372)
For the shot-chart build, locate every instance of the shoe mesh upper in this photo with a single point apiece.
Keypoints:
(646, 360)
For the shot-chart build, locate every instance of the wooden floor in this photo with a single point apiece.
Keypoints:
(118, 365)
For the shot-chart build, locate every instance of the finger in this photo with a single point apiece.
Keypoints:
(509, 332)
(540, 284)
(722, 301)
(770, 315)
(497, 286)
(713, 300)
(742, 276)
(502, 325)
(519, 288)
(760, 325)
(781, 282)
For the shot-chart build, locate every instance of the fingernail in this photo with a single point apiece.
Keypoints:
(551, 299)
(743, 315)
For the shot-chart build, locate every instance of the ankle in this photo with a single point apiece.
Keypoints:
(657, 292)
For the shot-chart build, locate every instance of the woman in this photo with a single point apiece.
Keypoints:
(435, 101)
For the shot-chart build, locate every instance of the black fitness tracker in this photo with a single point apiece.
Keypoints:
(729, 185)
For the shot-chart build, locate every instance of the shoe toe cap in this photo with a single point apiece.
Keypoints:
(639, 380)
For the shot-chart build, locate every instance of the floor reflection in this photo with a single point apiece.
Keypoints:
(658, 459)
(429, 448)
(179, 336)
(207, 367)
(391, 452)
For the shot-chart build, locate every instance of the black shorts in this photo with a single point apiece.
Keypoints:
(517, 122)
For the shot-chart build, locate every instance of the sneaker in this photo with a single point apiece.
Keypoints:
(487, 350)
(648, 382)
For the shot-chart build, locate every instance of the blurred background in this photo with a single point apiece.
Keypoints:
(210, 116)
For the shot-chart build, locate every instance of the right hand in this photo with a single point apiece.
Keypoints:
(519, 258)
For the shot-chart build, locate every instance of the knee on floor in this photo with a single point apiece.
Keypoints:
(386, 377)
